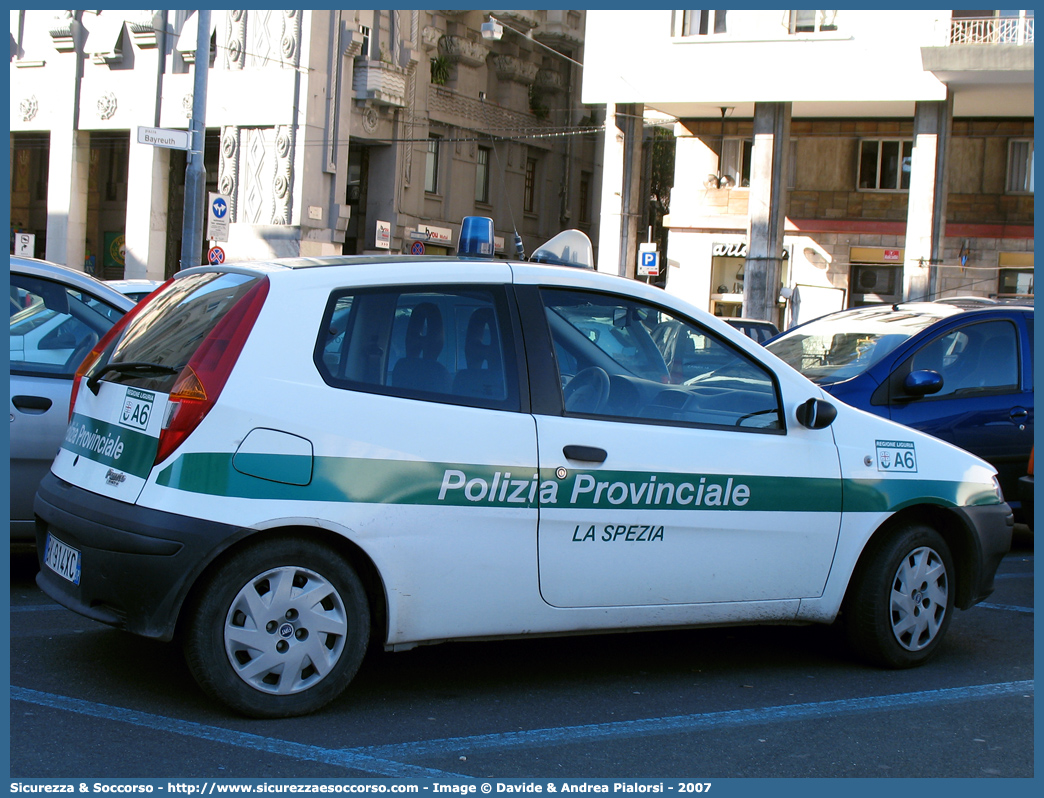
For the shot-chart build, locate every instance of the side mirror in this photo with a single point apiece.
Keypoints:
(922, 383)
(816, 414)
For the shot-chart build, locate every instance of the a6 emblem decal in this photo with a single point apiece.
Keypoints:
(137, 409)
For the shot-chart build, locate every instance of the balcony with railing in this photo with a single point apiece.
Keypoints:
(991, 30)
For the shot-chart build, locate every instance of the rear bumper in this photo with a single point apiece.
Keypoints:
(993, 525)
(136, 564)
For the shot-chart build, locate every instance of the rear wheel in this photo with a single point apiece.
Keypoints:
(279, 630)
(901, 600)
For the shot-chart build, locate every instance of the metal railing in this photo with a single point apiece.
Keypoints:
(992, 30)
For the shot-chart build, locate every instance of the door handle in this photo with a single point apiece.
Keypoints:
(589, 454)
(31, 404)
(1019, 412)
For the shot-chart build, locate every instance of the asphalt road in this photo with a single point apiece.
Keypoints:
(91, 702)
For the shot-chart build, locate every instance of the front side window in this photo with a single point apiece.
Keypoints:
(976, 358)
(884, 164)
(623, 359)
(444, 344)
(1020, 166)
(431, 165)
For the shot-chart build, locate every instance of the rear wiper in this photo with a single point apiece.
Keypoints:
(131, 367)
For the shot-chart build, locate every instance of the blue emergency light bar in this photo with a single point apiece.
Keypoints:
(476, 238)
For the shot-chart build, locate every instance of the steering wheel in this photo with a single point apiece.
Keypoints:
(587, 392)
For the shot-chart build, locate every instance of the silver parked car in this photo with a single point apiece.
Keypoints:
(57, 316)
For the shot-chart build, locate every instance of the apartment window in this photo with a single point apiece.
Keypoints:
(482, 176)
(700, 23)
(529, 198)
(735, 160)
(585, 197)
(431, 164)
(884, 164)
(1020, 166)
(365, 49)
(812, 21)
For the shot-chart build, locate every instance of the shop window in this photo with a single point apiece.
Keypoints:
(431, 164)
(875, 283)
(1015, 283)
(884, 164)
(1020, 166)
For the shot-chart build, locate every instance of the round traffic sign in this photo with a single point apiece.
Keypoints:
(216, 256)
(417, 248)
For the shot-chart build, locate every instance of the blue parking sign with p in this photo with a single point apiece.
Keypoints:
(649, 259)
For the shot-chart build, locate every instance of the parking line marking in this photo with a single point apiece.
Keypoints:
(689, 723)
(383, 759)
(348, 758)
(1005, 607)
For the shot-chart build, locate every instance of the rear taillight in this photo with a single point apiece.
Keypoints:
(199, 384)
(92, 357)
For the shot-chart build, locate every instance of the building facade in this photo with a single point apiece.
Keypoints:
(327, 132)
(834, 158)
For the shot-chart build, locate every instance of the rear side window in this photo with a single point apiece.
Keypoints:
(169, 330)
(446, 344)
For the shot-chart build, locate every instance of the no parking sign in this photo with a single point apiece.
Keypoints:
(216, 256)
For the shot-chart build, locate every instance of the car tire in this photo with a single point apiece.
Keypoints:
(279, 629)
(901, 599)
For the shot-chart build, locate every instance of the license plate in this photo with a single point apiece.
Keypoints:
(64, 560)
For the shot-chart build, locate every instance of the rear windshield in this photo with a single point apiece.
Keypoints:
(842, 346)
(171, 327)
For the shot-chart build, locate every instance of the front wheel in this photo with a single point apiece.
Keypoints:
(279, 629)
(901, 599)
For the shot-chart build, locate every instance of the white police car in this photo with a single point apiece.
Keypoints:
(288, 462)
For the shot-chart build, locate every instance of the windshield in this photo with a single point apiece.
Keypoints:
(841, 346)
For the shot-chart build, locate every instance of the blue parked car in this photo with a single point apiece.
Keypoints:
(962, 372)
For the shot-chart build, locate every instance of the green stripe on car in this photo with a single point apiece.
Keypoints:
(413, 482)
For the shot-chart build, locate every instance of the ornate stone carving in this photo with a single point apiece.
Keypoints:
(107, 105)
(62, 32)
(381, 82)
(430, 38)
(549, 81)
(234, 51)
(28, 108)
(459, 50)
(523, 20)
(144, 27)
(283, 182)
(509, 67)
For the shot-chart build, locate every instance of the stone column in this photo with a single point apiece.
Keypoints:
(621, 171)
(767, 209)
(926, 214)
(148, 174)
(68, 166)
(70, 149)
